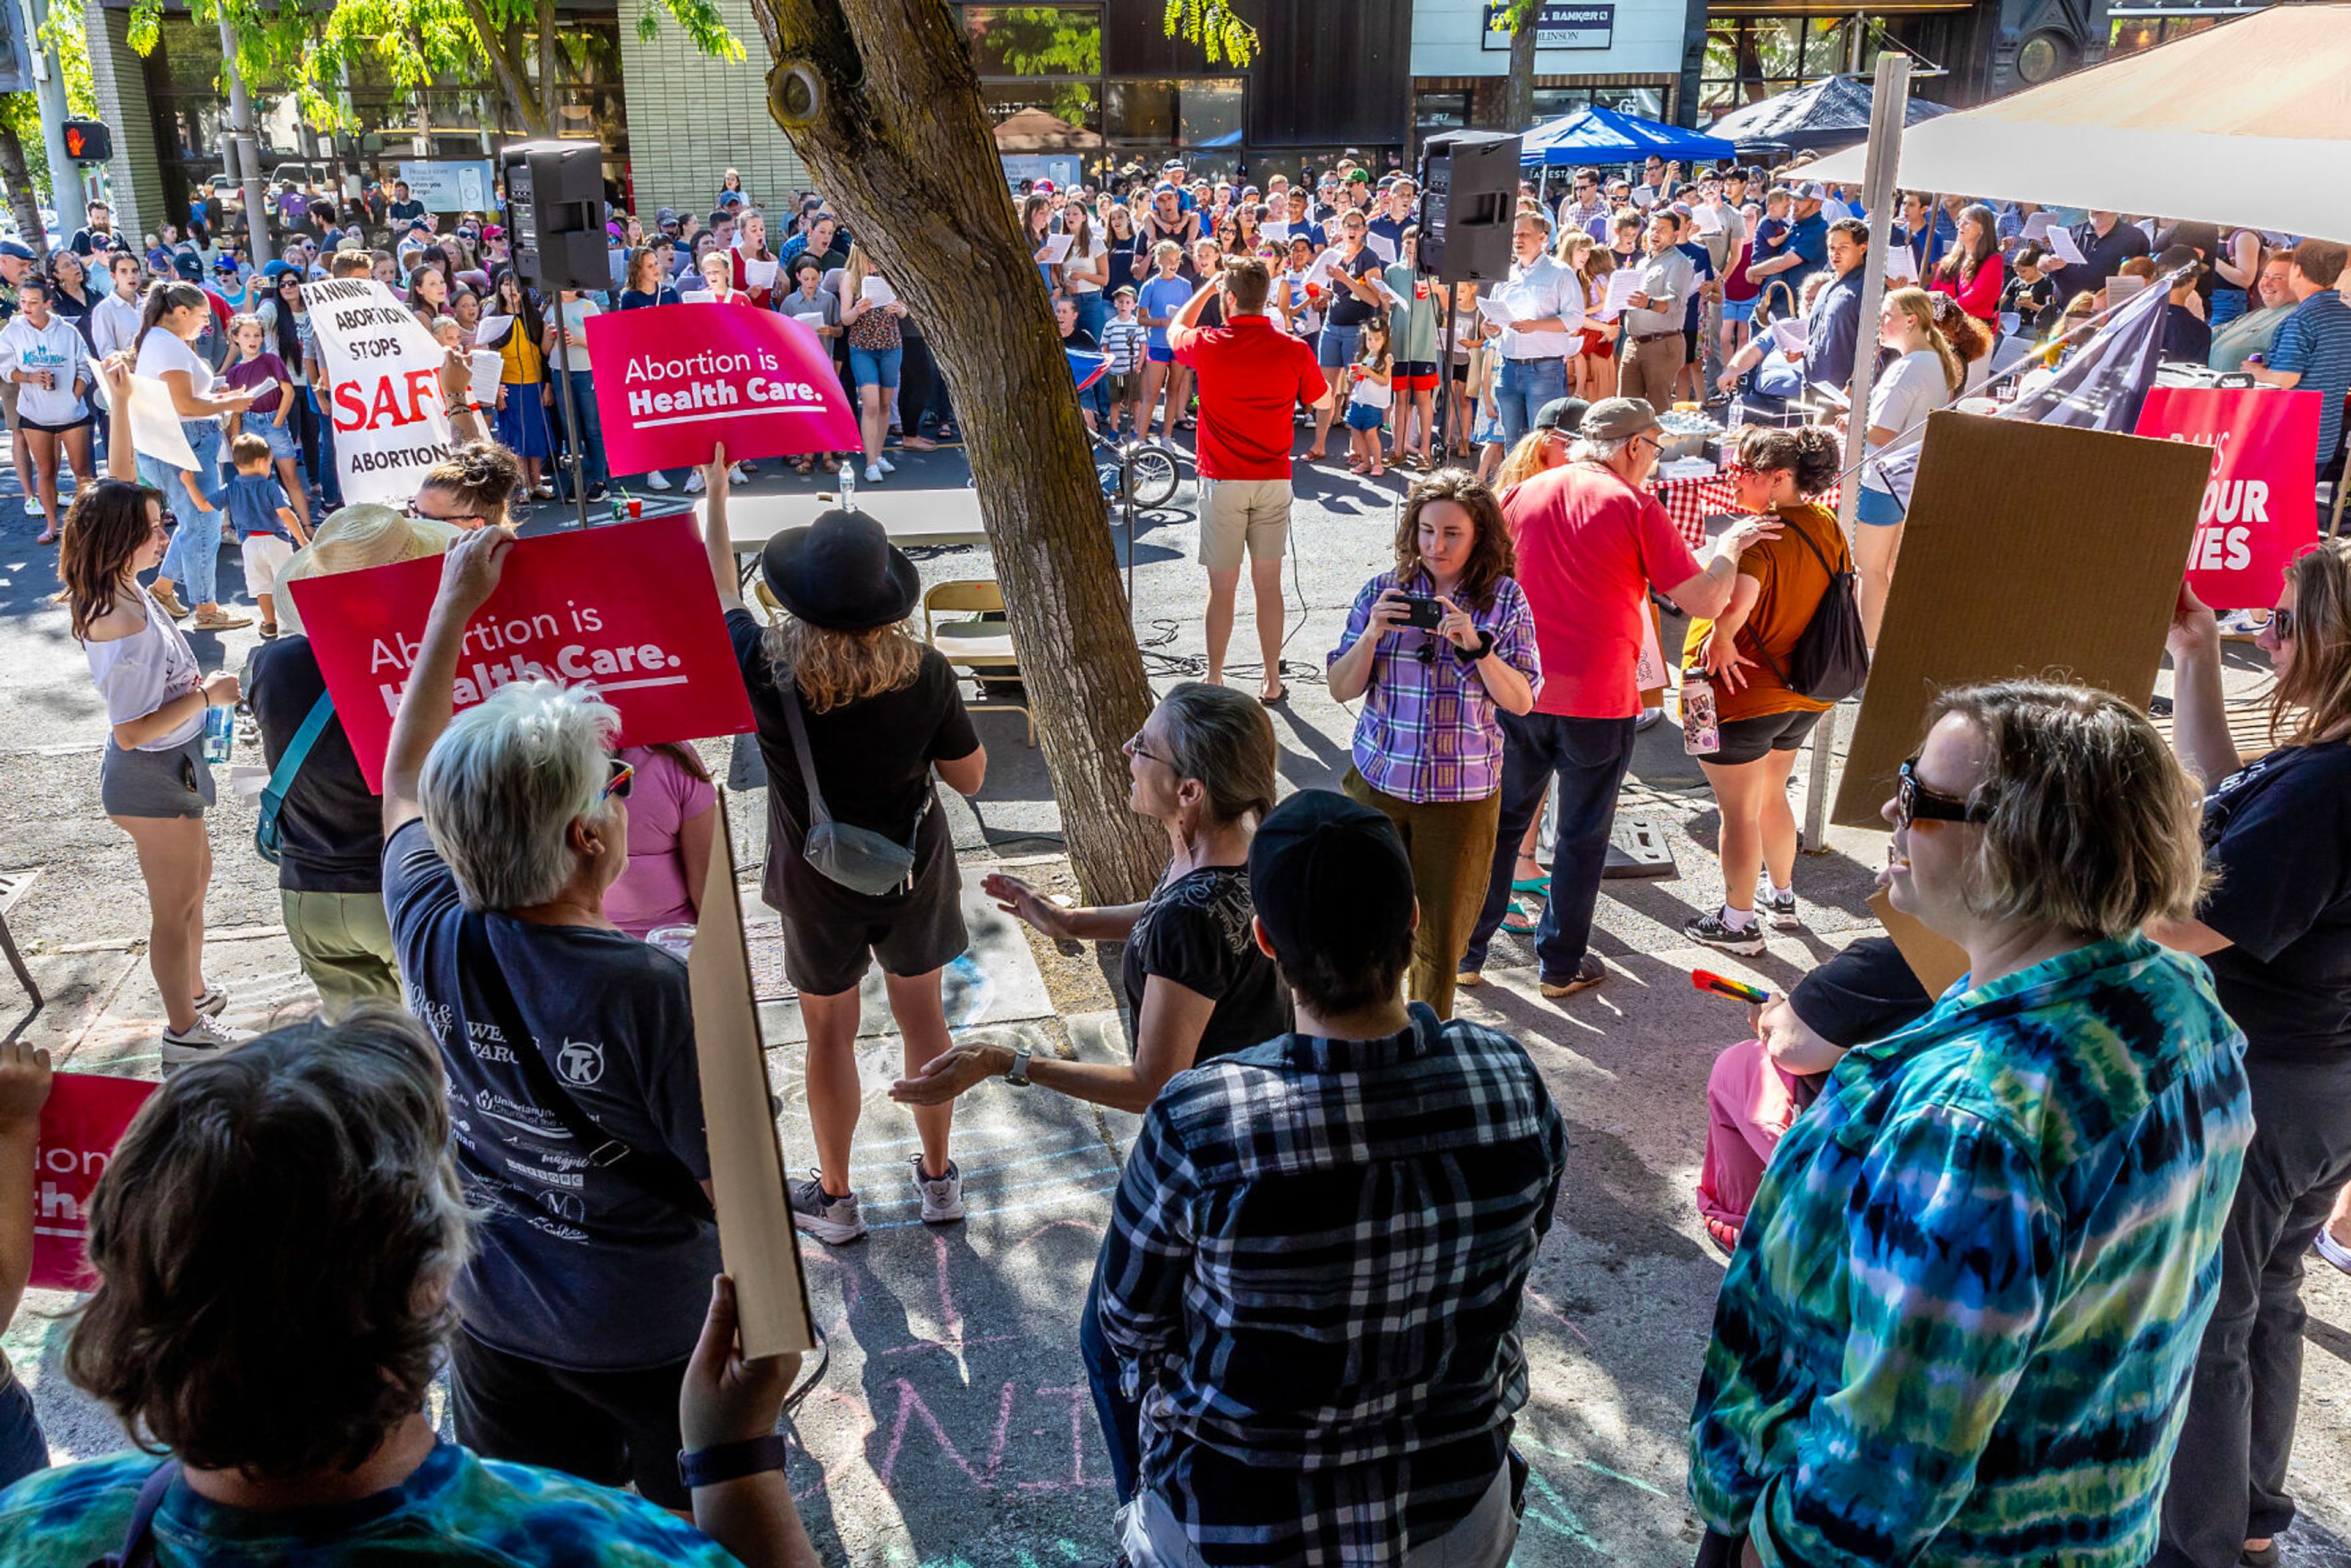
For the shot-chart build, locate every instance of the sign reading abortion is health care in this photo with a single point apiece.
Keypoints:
(630, 609)
(674, 380)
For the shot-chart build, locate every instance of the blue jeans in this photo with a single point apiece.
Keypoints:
(193, 556)
(1522, 389)
(876, 367)
(330, 479)
(23, 1449)
(1121, 1418)
(591, 430)
(1093, 311)
(1588, 756)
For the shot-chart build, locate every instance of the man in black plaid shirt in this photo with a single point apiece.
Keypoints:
(1313, 1275)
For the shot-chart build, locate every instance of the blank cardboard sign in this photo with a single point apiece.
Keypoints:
(755, 1238)
(2034, 550)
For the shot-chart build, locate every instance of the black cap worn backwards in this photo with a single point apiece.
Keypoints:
(1330, 877)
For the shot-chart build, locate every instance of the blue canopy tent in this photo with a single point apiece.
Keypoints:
(1598, 135)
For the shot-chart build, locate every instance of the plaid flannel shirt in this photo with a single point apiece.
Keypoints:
(1312, 1279)
(1428, 730)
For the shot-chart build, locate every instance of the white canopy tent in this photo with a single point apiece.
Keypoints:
(2248, 123)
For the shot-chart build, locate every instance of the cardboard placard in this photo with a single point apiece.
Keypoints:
(2260, 511)
(80, 1124)
(673, 380)
(1935, 959)
(2037, 550)
(756, 1238)
(382, 389)
(630, 609)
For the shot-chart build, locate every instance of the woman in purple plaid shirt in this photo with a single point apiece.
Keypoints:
(1433, 648)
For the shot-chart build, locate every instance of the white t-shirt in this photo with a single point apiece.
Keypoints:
(1911, 388)
(162, 350)
(1098, 248)
(58, 349)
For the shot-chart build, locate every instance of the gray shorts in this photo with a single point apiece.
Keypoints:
(173, 783)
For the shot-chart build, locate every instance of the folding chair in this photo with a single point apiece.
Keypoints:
(982, 644)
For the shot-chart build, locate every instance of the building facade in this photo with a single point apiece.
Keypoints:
(1626, 54)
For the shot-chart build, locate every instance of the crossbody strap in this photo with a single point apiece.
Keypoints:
(660, 1175)
(138, 1550)
(281, 778)
(788, 682)
(1806, 540)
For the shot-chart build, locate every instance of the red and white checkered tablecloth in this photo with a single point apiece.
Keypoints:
(1689, 502)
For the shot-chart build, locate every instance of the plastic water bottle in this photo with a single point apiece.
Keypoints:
(1701, 731)
(848, 484)
(676, 939)
(220, 728)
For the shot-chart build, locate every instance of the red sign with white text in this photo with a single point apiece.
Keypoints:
(630, 609)
(80, 1125)
(671, 380)
(2260, 507)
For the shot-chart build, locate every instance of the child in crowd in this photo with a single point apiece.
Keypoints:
(2028, 294)
(24, 1090)
(257, 367)
(1125, 340)
(1301, 290)
(267, 531)
(1158, 301)
(448, 332)
(1368, 400)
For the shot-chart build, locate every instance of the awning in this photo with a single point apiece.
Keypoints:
(1598, 135)
(1831, 112)
(2246, 123)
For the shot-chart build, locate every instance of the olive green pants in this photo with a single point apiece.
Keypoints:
(1451, 845)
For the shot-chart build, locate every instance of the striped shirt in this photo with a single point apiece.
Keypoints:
(1125, 342)
(1312, 1279)
(2314, 343)
(1428, 730)
(1961, 1321)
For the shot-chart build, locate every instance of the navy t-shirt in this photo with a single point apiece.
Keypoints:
(1702, 271)
(578, 1266)
(2278, 833)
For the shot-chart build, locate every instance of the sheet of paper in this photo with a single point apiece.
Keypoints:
(1705, 220)
(1644, 197)
(1386, 293)
(698, 296)
(155, 425)
(1278, 233)
(1056, 248)
(486, 364)
(2009, 322)
(2037, 225)
(1833, 396)
(758, 274)
(1790, 334)
(491, 329)
(1622, 284)
(1496, 311)
(2121, 288)
(1901, 265)
(877, 292)
(2061, 246)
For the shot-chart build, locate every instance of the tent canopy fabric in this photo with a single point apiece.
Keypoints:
(1034, 130)
(1598, 135)
(1831, 112)
(2247, 123)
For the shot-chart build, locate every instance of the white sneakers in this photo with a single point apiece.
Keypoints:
(656, 480)
(694, 483)
(872, 473)
(207, 1039)
(942, 1198)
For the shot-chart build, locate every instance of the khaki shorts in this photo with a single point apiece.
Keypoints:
(1243, 512)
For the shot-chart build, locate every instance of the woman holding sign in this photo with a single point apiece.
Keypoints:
(523, 391)
(177, 314)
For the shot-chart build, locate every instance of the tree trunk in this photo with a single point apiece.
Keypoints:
(1519, 91)
(17, 182)
(503, 50)
(550, 82)
(893, 133)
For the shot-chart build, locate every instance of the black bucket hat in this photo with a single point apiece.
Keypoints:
(841, 572)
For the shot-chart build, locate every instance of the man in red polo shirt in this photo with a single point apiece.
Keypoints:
(1252, 377)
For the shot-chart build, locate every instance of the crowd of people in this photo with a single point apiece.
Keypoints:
(2002, 1262)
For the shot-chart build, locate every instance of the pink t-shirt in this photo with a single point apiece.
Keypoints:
(1590, 549)
(651, 893)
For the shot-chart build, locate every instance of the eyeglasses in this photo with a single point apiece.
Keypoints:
(416, 511)
(618, 784)
(1134, 748)
(1913, 802)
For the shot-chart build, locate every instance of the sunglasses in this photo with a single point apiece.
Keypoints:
(1914, 802)
(2282, 620)
(618, 784)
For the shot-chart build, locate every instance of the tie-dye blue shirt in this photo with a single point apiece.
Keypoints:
(1961, 1320)
(455, 1509)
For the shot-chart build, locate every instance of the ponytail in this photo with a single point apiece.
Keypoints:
(163, 299)
(1916, 304)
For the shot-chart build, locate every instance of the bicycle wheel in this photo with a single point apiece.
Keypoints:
(1153, 468)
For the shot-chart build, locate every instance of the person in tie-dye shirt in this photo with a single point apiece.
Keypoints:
(274, 1240)
(1961, 1323)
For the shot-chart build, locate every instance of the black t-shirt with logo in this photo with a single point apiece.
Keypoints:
(1196, 932)
(2278, 833)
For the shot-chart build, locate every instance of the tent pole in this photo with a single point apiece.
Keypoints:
(1889, 108)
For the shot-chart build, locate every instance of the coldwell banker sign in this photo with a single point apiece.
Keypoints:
(1557, 28)
(674, 380)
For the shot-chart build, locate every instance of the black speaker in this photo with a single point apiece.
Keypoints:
(1469, 194)
(555, 213)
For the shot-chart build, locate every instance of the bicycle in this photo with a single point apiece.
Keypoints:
(1144, 468)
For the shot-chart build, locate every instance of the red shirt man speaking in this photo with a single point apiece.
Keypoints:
(1252, 377)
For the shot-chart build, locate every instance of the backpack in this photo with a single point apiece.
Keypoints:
(1831, 657)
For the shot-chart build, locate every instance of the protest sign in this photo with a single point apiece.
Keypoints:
(672, 380)
(629, 609)
(383, 380)
(80, 1125)
(756, 1238)
(2259, 510)
(155, 427)
(2069, 572)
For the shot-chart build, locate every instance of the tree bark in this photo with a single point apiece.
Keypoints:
(16, 181)
(1519, 91)
(894, 135)
(503, 54)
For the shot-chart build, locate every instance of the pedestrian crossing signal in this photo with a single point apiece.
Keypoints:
(88, 141)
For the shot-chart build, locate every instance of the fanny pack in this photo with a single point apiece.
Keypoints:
(857, 858)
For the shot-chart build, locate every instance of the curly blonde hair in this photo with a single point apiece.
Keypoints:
(833, 668)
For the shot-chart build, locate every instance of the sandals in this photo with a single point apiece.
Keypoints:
(803, 465)
(49, 538)
(919, 443)
(832, 464)
(947, 432)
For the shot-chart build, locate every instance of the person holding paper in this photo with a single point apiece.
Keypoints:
(1927, 373)
(176, 316)
(870, 319)
(1970, 269)
(278, 1339)
(1539, 311)
(754, 265)
(2104, 242)
(1654, 346)
(1832, 331)
(523, 391)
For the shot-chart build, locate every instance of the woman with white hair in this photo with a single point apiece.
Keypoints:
(570, 1050)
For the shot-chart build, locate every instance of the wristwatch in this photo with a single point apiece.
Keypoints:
(723, 1462)
(1017, 1074)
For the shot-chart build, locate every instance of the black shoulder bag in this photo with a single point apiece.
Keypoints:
(660, 1175)
(1830, 661)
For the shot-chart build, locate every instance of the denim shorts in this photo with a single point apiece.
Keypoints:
(876, 367)
(1738, 309)
(283, 442)
(1876, 508)
(1363, 417)
(1339, 345)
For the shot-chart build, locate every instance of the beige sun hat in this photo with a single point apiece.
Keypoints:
(355, 539)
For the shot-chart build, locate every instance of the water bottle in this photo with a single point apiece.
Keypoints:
(848, 485)
(220, 726)
(1701, 731)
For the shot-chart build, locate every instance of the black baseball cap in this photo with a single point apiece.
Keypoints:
(1565, 413)
(1330, 877)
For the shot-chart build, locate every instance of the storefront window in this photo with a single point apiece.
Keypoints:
(2134, 33)
(1750, 58)
(1201, 113)
(1077, 104)
(1035, 40)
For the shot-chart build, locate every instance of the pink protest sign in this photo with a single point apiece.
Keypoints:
(675, 380)
(80, 1125)
(2259, 511)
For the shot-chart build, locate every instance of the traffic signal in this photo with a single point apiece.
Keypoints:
(88, 141)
